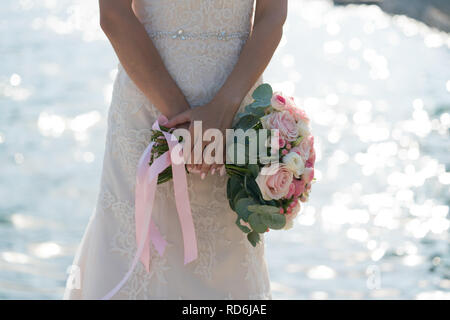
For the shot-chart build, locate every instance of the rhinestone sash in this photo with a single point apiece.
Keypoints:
(181, 34)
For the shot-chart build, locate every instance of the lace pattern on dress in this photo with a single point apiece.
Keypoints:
(141, 284)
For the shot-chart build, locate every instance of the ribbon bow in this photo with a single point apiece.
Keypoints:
(146, 183)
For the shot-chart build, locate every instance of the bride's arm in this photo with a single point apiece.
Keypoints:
(139, 57)
(270, 16)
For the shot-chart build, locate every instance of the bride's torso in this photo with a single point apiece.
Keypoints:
(199, 64)
(227, 265)
(195, 15)
(198, 40)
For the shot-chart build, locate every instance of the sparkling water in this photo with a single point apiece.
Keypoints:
(377, 89)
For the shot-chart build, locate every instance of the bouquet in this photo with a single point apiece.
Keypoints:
(268, 195)
(265, 188)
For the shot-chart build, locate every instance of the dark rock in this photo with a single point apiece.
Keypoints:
(435, 13)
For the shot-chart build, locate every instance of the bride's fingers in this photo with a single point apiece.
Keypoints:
(215, 167)
(222, 170)
(179, 119)
(204, 170)
(218, 169)
(196, 152)
(213, 170)
(213, 159)
(188, 153)
(194, 169)
(204, 165)
(191, 147)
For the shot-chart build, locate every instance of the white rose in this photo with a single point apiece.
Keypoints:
(294, 163)
(303, 128)
(279, 102)
(289, 224)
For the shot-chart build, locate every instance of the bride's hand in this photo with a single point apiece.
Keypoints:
(213, 115)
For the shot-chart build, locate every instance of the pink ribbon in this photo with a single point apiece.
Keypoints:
(146, 183)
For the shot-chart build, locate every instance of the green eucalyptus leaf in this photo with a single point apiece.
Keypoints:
(257, 108)
(268, 215)
(242, 194)
(247, 122)
(243, 114)
(264, 209)
(230, 194)
(234, 186)
(263, 92)
(252, 188)
(165, 176)
(253, 237)
(254, 169)
(262, 100)
(257, 223)
(244, 229)
(241, 207)
(272, 203)
(261, 104)
(229, 189)
(275, 221)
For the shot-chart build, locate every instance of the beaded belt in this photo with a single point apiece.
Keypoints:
(181, 34)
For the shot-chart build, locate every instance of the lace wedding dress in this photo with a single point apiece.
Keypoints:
(200, 42)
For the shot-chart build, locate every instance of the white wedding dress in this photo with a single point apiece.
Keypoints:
(200, 42)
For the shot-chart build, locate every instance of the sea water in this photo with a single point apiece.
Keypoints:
(377, 88)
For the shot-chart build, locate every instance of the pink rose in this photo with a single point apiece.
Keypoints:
(275, 183)
(284, 122)
(305, 147)
(279, 102)
(308, 175)
(293, 204)
(312, 158)
(299, 187)
(298, 114)
(291, 191)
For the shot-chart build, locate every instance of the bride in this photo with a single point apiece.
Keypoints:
(190, 60)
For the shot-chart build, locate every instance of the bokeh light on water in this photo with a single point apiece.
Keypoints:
(377, 89)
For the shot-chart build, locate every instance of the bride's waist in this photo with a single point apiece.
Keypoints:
(199, 36)
(186, 35)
